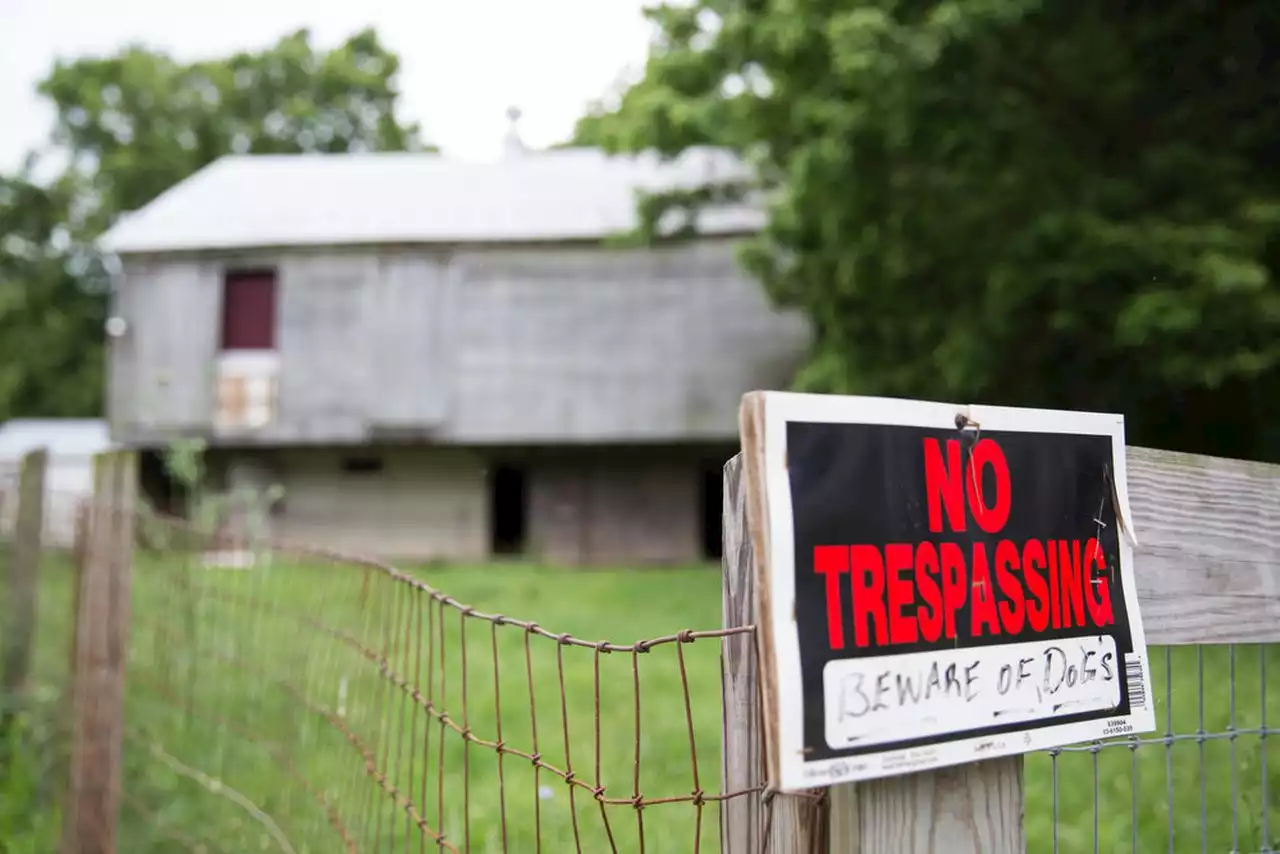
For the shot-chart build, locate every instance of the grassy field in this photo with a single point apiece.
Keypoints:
(243, 682)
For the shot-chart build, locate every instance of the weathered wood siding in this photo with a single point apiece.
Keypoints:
(162, 371)
(641, 507)
(497, 345)
(324, 347)
(587, 345)
(411, 314)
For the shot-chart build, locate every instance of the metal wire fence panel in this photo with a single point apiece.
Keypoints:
(290, 700)
(1208, 781)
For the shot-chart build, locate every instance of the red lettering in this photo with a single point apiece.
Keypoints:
(1012, 613)
(831, 561)
(930, 593)
(984, 598)
(942, 485)
(1033, 561)
(953, 585)
(902, 626)
(989, 518)
(1055, 610)
(904, 593)
(1072, 583)
(1099, 594)
(866, 569)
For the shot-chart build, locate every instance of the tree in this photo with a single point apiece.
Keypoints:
(1031, 202)
(141, 122)
(52, 305)
(133, 125)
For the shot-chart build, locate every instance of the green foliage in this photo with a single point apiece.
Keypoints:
(205, 508)
(149, 121)
(134, 124)
(1030, 202)
(30, 763)
(32, 749)
(52, 306)
(184, 461)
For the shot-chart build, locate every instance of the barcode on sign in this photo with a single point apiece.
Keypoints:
(1135, 683)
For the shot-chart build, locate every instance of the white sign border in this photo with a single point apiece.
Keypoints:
(781, 407)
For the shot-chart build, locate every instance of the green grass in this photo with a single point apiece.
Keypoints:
(230, 649)
(33, 751)
(232, 675)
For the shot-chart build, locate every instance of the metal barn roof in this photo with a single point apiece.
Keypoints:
(334, 199)
(64, 437)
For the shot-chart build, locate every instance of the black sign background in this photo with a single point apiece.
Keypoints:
(865, 484)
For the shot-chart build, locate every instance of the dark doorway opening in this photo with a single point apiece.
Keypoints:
(158, 486)
(508, 509)
(712, 489)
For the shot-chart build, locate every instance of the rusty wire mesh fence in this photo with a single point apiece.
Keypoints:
(298, 701)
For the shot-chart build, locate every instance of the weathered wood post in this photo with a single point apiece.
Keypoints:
(968, 809)
(80, 536)
(79, 557)
(791, 824)
(101, 642)
(21, 591)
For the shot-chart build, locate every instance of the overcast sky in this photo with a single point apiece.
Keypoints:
(464, 61)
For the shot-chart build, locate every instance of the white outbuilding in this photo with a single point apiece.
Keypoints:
(72, 444)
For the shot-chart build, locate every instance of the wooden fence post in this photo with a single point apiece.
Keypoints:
(102, 622)
(79, 557)
(80, 537)
(965, 809)
(782, 824)
(22, 589)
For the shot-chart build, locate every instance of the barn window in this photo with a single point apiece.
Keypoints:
(249, 310)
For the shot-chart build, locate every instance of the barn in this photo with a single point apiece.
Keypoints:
(439, 359)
